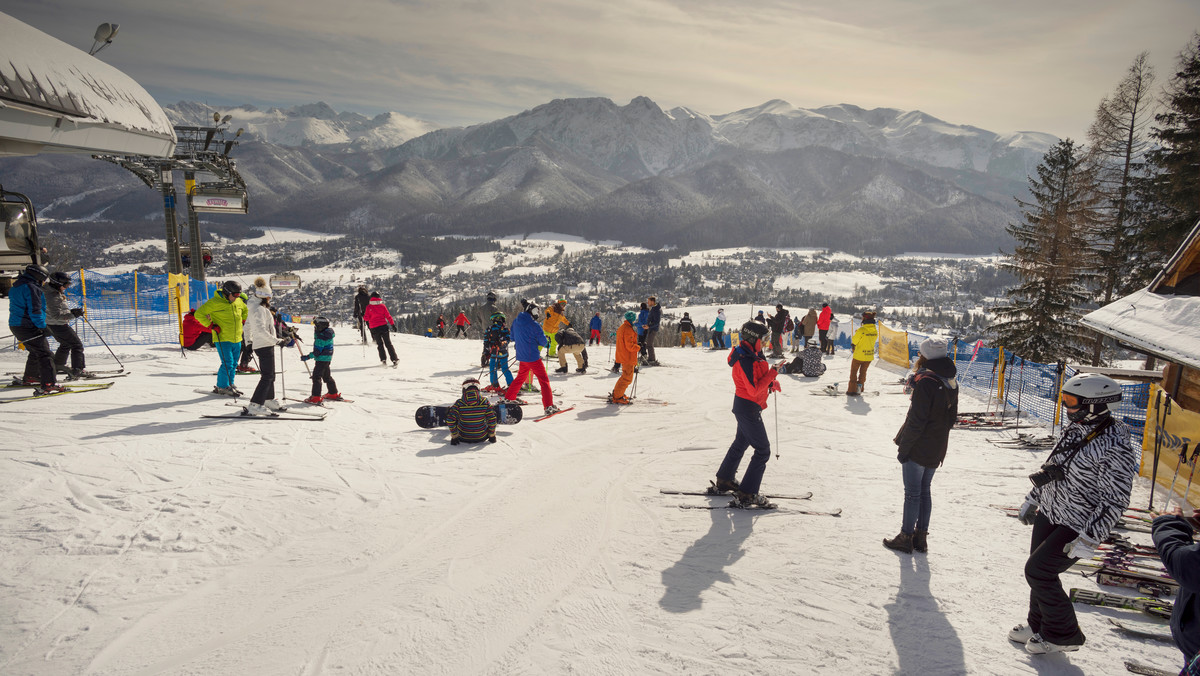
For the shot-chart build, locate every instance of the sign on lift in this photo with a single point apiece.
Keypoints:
(220, 200)
(285, 281)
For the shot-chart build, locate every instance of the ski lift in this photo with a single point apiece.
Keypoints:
(185, 254)
(219, 198)
(19, 245)
(285, 281)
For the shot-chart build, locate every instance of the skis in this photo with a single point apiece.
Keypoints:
(837, 393)
(1152, 630)
(285, 409)
(74, 389)
(1146, 604)
(632, 400)
(1146, 670)
(708, 493)
(1129, 522)
(783, 510)
(217, 394)
(247, 416)
(551, 415)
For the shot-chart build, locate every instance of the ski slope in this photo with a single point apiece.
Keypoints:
(138, 538)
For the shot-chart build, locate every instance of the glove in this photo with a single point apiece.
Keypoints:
(453, 441)
(1081, 547)
(774, 386)
(77, 311)
(305, 357)
(492, 439)
(1028, 512)
(216, 329)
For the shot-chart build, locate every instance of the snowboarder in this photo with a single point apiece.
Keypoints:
(530, 338)
(496, 341)
(923, 440)
(554, 320)
(627, 357)
(753, 380)
(195, 334)
(27, 321)
(380, 321)
(864, 353)
(687, 331)
(261, 332)
(471, 418)
(570, 342)
(808, 363)
(58, 320)
(1174, 539)
(361, 299)
(1078, 495)
(653, 322)
(596, 325)
(322, 353)
(823, 327)
(718, 331)
(225, 314)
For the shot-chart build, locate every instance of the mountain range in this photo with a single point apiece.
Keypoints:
(875, 181)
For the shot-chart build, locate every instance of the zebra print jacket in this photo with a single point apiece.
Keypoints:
(1099, 480)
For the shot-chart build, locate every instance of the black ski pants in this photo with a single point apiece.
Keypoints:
(750, 432)
(383, 339)
(68, 344)
(266, 375)
(321, 374)
(1051, 612)
(39, 365)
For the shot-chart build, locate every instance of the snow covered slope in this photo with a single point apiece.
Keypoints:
(139, 538)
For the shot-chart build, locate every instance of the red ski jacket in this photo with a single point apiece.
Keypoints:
(752, 375)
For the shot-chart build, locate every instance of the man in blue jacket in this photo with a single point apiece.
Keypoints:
(529, 338)
(653, 321)
(27, 320)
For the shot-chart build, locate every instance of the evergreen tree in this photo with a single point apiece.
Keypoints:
(1117, 145)
(1053, 261)
(1171, 193)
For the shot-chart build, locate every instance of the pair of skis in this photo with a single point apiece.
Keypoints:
(712, 492)
(68, 389)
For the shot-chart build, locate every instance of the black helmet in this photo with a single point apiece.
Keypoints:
(754, 330)
(231, 286)
(37, 273)
(491, 296)
(320, 323)
(60, 279)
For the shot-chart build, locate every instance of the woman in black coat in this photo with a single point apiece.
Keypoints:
(923, 440)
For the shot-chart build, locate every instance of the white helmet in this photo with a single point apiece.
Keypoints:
(1095, 392)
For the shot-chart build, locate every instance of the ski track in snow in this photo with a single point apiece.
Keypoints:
(139, 539)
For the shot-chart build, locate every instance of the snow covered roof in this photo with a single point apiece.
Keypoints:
(56, 98)
(1164, 326)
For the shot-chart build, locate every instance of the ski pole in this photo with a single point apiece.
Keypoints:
(635, 376)
(282, 376)
(1195, 456)
(1157, 447)
(114, 355)
(302, 360)
(1181, 460)
(22, 342)
(1020, 395)
(775, 399)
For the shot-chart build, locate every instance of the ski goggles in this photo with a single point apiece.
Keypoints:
(1070, 401)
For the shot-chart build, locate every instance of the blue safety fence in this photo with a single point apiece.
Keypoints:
(128, 309)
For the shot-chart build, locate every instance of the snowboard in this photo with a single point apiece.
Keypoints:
(430, 417)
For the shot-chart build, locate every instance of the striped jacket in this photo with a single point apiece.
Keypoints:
(471, 418)
(1099, 480)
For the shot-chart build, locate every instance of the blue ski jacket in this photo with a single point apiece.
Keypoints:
(528, 337)
(26, 304)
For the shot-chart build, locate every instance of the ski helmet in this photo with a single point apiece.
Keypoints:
(231, 286)
(470, 383)
(320, 323)
(1091, 394)
(753, 331)
(498, 317)
(60, 279)
(37, 273)
(491, 296)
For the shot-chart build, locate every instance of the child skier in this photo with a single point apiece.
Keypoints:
(595, 325)
(322, 353)
(471, 418)
(753, 380)
(496, 342)
(58, 320)
(380, 321)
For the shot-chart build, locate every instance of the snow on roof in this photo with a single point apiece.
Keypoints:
(54, 97)
(1164, 326)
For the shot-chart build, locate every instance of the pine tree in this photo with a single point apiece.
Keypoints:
(1171, 193)
(1117, 145)
(1053, 261)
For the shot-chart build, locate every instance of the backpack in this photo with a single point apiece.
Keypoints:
(788, 325)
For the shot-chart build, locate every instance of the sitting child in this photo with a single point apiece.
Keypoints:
(808, 363)
(471, 418)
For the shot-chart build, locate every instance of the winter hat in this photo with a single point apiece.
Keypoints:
(933, 348)
(261, 289)
(631, 316)
(374, 295)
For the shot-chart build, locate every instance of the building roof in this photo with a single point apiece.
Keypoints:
(56, 98)
(1161, 325)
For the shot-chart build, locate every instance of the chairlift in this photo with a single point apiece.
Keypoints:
(19, 243)
(185, 255)
(218, 198)
(285, 281)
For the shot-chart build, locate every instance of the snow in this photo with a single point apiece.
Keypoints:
(1164, 325)
(832, 284)
(139, 245)
(139, 538)
(272, 236)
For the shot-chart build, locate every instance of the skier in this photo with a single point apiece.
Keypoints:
(753, 380)
(260, 331)
(718, 331)
(380, 321)
(27, 321)
(923, 440)
(1078, 495)
(808, 363)
(195, 334)
(471, 418)
(361, 299)
(570, 342)
(687, 331)
(486, 313)
(554, 320)
(777, 322)
(823, 327)
(653, 321)
(627, 358)
(864, 353)
(595, 325)
(225, 313)
(461, 323)
(1173, 538)
(530, 338)
(496, 341)
(322, 353)
(441, 326)
(58, 320)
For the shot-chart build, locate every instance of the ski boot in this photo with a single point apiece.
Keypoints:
(722, 486)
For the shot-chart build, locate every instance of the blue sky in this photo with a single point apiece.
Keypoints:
(1018, 65)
